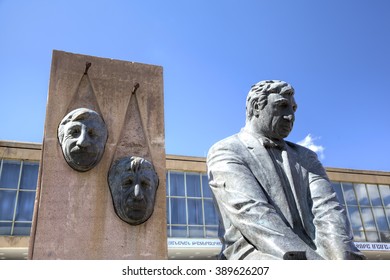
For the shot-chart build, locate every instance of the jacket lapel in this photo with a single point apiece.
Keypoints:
(300, 186)
(263, 168)
(296, 174)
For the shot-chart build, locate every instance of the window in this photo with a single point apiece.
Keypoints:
(18, 180)
(368, 207)
(191, 211)
(339, 192)
(385, 193)
(190, 208)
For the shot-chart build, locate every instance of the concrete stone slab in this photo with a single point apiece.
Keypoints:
(74, 216)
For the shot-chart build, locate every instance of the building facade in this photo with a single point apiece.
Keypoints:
(192, 222)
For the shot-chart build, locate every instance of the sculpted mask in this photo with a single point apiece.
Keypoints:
(133, 183)
(82, 135)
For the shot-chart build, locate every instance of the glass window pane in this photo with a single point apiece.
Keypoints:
(22, 229)
(178, 211)
(29, 175)
(10, 174)
(380, 218)
(179, 231)
(177, 184)
(195, 216)
(195, 231)
(374, 195)
(210, 213)
(385, 193)
(337, 189)
(385, 236)
(211, 232)
(349, 194)
(25, 209)
(206, 188)
(372, 236)
(7, 205)
(387, 210)
(368, 219)
(354, 217)
(5, 228)
(193, 185)
(359, 236)
(361, 193)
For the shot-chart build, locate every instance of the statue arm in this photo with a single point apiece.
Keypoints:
(333, 232)
(246, 207)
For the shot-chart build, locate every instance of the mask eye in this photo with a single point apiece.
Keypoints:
(145, 184)
(75, 132)
(91, 133)
(128, 182)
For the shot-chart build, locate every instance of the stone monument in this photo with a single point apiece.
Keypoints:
(101, 114)
(274, 198)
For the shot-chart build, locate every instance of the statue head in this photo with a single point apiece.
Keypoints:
(270, 109)
(82, 135)
(133, 183)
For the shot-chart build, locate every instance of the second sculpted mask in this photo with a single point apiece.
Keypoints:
(133, 183)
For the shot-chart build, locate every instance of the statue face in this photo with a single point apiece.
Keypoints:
(276, 119)
(83, 135)
(133, 184)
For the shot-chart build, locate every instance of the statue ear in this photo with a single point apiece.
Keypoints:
(255, 107)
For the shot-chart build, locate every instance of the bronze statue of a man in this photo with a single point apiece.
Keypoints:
(274, 198)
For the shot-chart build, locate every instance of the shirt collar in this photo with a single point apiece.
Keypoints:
(267, 142)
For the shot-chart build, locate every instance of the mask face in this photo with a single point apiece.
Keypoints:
(133, 184)
(82, 135)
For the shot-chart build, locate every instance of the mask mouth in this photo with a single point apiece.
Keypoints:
(81, 150)
(135, 206)
(81, 158)
(135, 213)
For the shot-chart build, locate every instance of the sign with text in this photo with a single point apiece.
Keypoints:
(370, 246)
(216, 243)
(193, 243)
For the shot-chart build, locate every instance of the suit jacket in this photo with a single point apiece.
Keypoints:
(255, 216)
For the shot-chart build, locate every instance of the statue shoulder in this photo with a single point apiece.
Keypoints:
(229, 143)
(226, 143)
(301, 150)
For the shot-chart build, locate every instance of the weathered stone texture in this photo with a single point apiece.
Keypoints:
(76, 218)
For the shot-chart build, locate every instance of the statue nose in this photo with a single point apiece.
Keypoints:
(83, 140)
(289, 117)
(137, 192)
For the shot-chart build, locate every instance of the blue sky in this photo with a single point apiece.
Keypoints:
(336, 54)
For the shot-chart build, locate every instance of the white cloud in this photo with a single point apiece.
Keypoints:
(308, 142)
